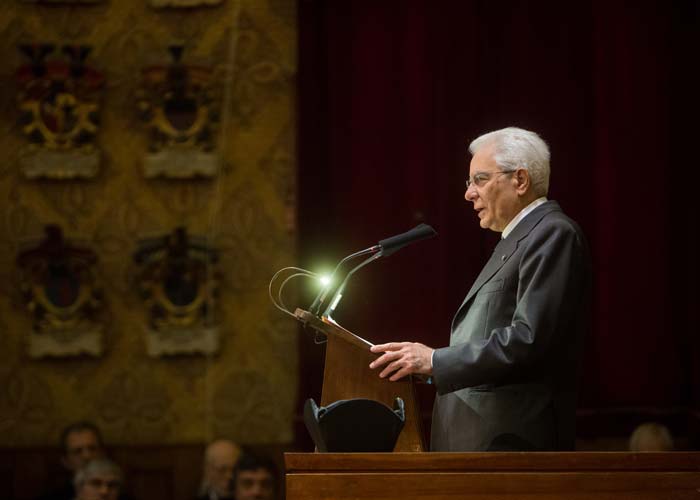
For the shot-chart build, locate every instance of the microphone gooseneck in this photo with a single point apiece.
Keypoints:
(321, 297)
(384, 248)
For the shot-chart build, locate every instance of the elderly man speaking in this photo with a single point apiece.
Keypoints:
(507, 381)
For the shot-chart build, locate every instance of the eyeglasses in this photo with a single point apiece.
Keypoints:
(481, 178)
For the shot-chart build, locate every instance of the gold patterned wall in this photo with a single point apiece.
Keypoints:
(247, 391)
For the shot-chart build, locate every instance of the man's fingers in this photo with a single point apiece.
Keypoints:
(399, 374)
(390, 346)
(391, 368)
(401, 359)
(384, 359)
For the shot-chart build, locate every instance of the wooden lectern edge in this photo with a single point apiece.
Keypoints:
(328, 326)
(308, 318)
(513, 461)
(330, 321)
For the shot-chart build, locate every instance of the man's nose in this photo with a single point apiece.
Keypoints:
(470, 194)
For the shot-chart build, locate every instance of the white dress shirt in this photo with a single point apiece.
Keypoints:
(521, 215)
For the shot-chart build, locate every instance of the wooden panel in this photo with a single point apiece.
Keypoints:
(162, 472)
(6, 483)
(501, 461)
(482, 476)
(533, 485)
(33, 472)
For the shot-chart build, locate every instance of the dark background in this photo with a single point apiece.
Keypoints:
(392, 92)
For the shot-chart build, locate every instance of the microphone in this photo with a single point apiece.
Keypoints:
(384, 248)
(318, 301)
(420, 232)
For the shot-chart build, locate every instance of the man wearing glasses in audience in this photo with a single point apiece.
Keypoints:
(508, 379)
(98, 479)
(81, 442)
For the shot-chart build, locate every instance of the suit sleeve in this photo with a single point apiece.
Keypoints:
(549, 270)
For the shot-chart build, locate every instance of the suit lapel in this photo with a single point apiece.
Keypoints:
(506, 247)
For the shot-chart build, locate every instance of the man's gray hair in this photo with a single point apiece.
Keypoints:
(518, 148)
(95, 467)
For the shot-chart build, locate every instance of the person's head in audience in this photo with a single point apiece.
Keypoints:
(254, 478)
(219, 460)
(651, 436)
(80, 443)
(98, 479)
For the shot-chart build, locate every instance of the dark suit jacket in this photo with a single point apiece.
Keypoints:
(508, 379)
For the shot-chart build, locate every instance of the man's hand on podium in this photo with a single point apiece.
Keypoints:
(403, 358)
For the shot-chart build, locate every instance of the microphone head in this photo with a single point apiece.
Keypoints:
(420, 232)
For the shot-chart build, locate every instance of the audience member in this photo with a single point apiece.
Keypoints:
(219, 461)
(254, 478)
(80, 443)
(651, 436)
(98, 479)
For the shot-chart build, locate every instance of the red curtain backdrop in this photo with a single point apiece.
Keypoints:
(391, 93)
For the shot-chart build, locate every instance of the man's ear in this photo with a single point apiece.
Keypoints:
(522, 180)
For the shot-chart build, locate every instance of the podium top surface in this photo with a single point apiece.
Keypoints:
(328, 326)
(492, 461)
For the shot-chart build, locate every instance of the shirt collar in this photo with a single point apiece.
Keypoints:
(521, 215)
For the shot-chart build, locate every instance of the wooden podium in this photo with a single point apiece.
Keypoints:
(493, 476)
(347, 375)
